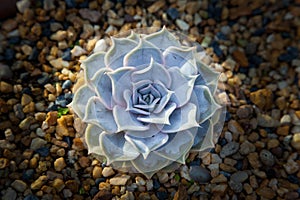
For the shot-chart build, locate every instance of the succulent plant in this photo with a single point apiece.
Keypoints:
(147, 102)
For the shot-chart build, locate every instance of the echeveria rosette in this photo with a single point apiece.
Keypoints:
(147, 102)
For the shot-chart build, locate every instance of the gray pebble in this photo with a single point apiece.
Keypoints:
(37, 143)
(199, 174)
(182, 25)
(229, 149)
(5, 72)
(67, 193)
(266, 121)
(267, 157)
(235, 186)
(18, 108)
(9, 194)
(247, 147)
(19, 185)
(239, 176)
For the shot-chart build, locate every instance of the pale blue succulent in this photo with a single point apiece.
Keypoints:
(147, 102)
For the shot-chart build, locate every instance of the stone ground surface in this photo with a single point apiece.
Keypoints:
(256, 44)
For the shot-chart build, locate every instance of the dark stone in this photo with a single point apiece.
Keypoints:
(34, 55)
(293, 179)
(227, 116)
(214, 12)
(199, 174)
(70, 3)
(67, 84)
(9, 54)
(250, 48)
(259, 32)
(239, 165)
(67, 55)
(271, 173)
(43, 151)
(255, 60)
(162, 195)
(5, 72)
(172, 13)
(24, 77)
(43, 78)
(292, 53)
(31, 197)
(221, 36)
(285, 35)
(265, 21)
(93, 191)
(217, 50)
(26, 90)
(28, 175)
(222, 141)
(84, 4)
(14, 40)
(195, 162)
(68, 140)
(156, 184)
(257, 11)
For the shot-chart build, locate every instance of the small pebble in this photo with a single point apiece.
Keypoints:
(182, 25)
(108, 171)
(59, 164)
(120, 180)
(199, 174)
(267, 157)
(5, 72)
(229, 149)
(19, 185)
(37, 143)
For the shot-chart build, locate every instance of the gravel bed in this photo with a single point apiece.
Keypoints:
(256, 45)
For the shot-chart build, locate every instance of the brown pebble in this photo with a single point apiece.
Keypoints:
(240, 58)
(266, 192)
(59, 164)
(244, 112)
(4, 162)
(262, 98)
(283, 130)
(77, 144)
(181, 193)
(103, 195)
(51, 118)
(253, 160)
(5, 87)
(156, 6)
(219, 189)
(97, 172)
(235, 127)
(73, 185)
(84, 161)
(61, 128)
